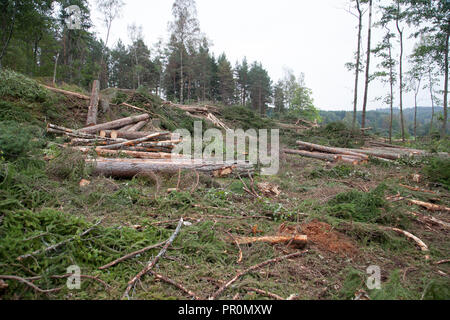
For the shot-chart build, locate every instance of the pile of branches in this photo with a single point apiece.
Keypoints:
(201, 112)
(377, 150)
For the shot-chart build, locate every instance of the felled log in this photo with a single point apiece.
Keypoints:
(352, 160)
(93, 104)
(135, 142)
(315, 155)
(317, 147)
(429, 206)
(129, 135)
(167, 144)
(409, 235)
(126, 128)
(128, 168)
(146, 149)
(430, 220)
(291, 126)
(75, 134)
(297, 241)
(134, 154)
(68, 93)
(416, 189)
(138, 126)
(115, 124)
(377, 153)
(132, 107)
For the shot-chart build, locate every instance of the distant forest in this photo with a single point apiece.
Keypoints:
(379, 120)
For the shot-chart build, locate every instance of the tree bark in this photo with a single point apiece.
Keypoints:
(93, 105)
(400, 33)
(127, 168)
(444, 125)
(366, 89)
(68, 93)
(358, 62)
(317, 147)
(115, 124)
(135, 142)
(127, 134)
(314, 155)
(432, 100)
(138, 126)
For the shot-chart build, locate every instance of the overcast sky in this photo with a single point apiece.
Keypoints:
(313, 37)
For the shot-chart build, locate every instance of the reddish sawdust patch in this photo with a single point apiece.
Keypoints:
(324, 237)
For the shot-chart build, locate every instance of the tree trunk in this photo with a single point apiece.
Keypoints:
(128, 168)
(391, 82)
(432, 100)
(132, 143)
(366, 89)
(444, 125)
(358, 62)
(68, 93)
(400, 32)
(416, 93)
(315, 155)
(115, 124)
(127, 134)
(8, 39)
(93, 105)
(311, 146)
(138, 126)
(54, 71)
(181, 78)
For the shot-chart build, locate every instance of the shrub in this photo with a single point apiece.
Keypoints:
(438, 170)
(18, 140)
(360, 206)
(16, 85)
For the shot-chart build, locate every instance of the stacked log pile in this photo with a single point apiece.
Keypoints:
(122, 150)
(376, 150)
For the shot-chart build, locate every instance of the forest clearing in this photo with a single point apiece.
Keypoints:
(130, 172)
(318, 223)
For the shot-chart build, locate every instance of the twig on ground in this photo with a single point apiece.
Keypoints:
(259, 291)
(28, 283)
(237, 245)
(150, 265)
(409, 235)
(175, 284)
(131, 255)
(196, 182)
(255, 267)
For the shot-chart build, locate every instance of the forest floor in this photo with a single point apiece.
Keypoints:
(341, 208)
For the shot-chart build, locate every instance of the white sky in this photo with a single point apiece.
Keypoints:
(313, 37)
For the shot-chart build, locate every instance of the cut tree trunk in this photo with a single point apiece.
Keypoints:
(68, 93)
(429, 206)
(134, 154)
(93, 105)
(132, 143)
(115, 124)
(129, 135)
(138, 126)
(128, 168)
(317, 147)
(315, 155)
